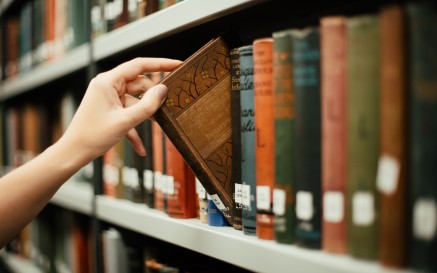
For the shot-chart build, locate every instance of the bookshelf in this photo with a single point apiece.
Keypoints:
(188, 17)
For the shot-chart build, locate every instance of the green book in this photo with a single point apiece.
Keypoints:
(423, 94)
(362, 135)
(283, 192)
(307, 135)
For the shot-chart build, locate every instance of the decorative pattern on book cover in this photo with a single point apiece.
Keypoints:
(264, 142)
(363, 135)
(391, 180)
(283, 193)
(236, 136)
(196, 117)
(306, 80)
(248, 197)
(333, 103)
(423, 94)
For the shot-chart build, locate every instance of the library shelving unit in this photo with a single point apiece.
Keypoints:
(190, 22)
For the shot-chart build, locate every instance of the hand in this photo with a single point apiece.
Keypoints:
(109, 112)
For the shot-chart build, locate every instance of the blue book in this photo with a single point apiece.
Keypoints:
(215, 216)
(247, 140)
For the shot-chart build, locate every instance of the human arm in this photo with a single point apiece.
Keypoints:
(108, 112)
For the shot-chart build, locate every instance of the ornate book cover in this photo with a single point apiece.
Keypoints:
(196, 117)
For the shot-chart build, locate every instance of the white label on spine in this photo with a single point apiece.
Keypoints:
(424, 219)
(216, 199)
(245, 195)
(201, 192)
(279, 198)
(157, 180)
(388, 175)
(333, 206)
(238, 193)
(263, 197)
(169, 185)
(304, 205)
(363, 208)
(148, 179)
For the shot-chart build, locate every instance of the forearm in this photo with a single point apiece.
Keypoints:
(25, 191)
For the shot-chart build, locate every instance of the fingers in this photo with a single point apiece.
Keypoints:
(137, 144)
(139, 110)
(139, 85)
(129, 70)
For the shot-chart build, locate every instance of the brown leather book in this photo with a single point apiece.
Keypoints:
(391, 180)
(333, 92)
(196, 117)
(264, 142)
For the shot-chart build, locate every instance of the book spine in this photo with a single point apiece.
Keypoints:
(391, 179)
(247, 140)
(264, 142)
(236, 136)
(306, 80)
(284, 111)
(215, 216)
(363, 135)
(147, 168)
(180, 186)
(423, 94)
(158, 166)
(333, 103)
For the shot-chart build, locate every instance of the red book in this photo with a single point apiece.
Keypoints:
(333, 101)
(264, 128)
(180, 186)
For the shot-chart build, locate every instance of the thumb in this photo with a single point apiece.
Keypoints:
(148, 104)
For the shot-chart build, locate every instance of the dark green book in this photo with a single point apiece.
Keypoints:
(234, 55)
(306, 84)
(362, 135)
(283, 192)
(423, 77)
(248, 186)
(147, 164)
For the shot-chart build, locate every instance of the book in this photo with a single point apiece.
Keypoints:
(215, 216)
(145, 132)
(158, 166)
(391, 179)
(12, 48)
(196, 117)
(422, 18)
(234, 55)
(333, 103)
(264, 137)
(362, 135)
(180, 186)
(247, 117)
(284, 115)
(306, 85)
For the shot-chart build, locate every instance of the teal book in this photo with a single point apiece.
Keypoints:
(284, 115)
(247, 109)
(362, 135)
(423, 94)
(306, 84)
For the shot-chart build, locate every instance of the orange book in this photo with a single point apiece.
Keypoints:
(392, 176)
(333, 102)
(180, 186)
(158, 165)
(264, 128)
(49, 25)
(111, 172)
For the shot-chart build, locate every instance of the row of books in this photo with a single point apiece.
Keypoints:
(333, 138)
(44, 30)
(40, 31)
(107, 15)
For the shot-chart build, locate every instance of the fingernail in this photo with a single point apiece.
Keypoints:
(161, 91)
